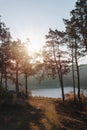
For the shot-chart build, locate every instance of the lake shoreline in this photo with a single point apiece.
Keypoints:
(52, 92)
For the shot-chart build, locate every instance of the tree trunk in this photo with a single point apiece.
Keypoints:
(78, 78)
(78, 75)
(6, 78)
(59, 72)
(73, 75)
(1, 77)
(2, 60)
(17, 85)
(62, 87)
(26, 88)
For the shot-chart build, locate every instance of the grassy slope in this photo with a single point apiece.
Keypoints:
(43, 114)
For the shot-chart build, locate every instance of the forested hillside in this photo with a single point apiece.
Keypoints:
(47, 82)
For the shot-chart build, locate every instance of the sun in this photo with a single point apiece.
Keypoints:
(34, 47)
(34, 42)
(34, 51)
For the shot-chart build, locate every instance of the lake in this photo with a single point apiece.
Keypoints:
(52, 92)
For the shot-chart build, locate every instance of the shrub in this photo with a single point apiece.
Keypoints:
(5, 96)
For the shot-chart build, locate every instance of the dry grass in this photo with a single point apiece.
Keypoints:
(44, 114)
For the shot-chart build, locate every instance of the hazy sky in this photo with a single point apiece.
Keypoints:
(33, 18)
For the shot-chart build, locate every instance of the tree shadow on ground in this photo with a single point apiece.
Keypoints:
(72, 115)
(17, 117)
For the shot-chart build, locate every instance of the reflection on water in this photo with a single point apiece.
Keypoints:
(52, 92)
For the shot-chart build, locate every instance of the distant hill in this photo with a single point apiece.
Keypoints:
(83, 77)
(33, 82)
(50, 83)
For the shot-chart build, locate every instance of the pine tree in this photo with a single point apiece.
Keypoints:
(55, 61)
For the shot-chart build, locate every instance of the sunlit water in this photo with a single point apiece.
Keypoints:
(52, 92)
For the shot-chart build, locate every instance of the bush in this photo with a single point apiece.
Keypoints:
(5, 96)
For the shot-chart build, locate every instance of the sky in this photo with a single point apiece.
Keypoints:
(33, 18)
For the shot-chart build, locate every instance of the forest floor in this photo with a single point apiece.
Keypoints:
(44, 114)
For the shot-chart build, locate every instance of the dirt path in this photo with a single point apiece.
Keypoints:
(43, 114)
(50, 119)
